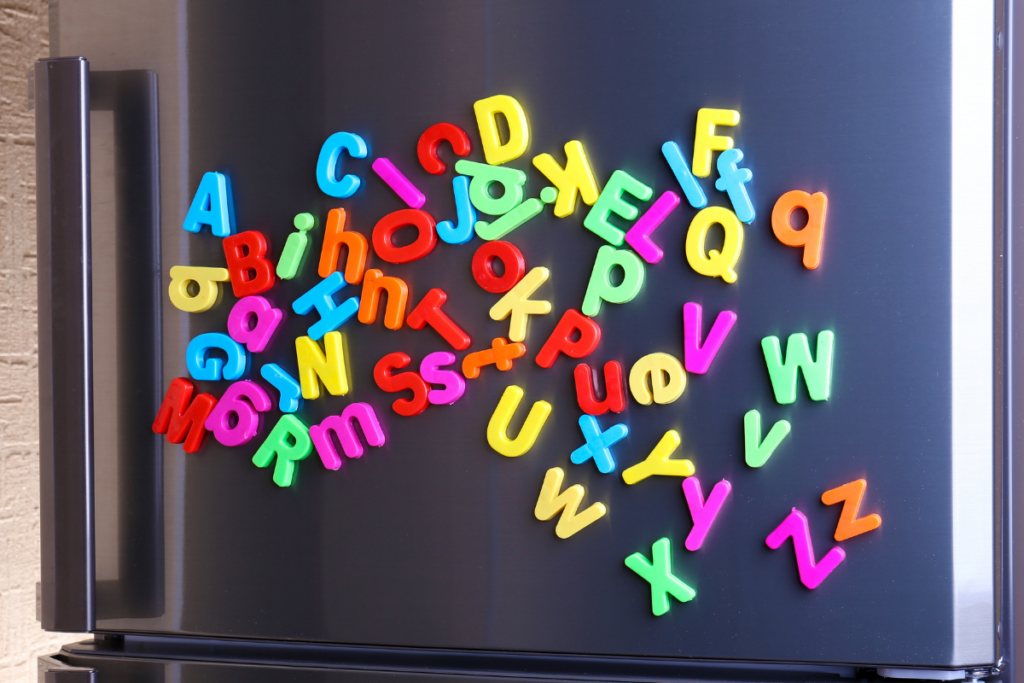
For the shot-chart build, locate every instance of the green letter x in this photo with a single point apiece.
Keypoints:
(659, 575)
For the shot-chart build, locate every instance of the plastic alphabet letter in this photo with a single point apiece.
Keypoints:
(811, 235)
(247, 415)
(256, 336)
(519, 306)
(212, 206)
(426, 148)
(289, 442)
(705, 141)
(600, 287)
(668, 379)
(851, 496)
(398, 297)
(817, 374)
(428, 312)
(501, 354)
(575, 178)
(387, 227)
(698, 357)
(344, 427)
(510, 221)
(811, 573)
(464, 211)
(287, 386)
(615, 399)
(178, 418)
(715, 263)
(321, 297)
(756, 451)
(334, 237)
(206, 279)
(329, 365)
(511, 180)
(397, 181)
(251, 272)
(495, 152)
(497, 435)
(553, 500)
(561, 340)
(659, 574)
(659, 462)
(611, 201)
(598, 444)
(703, 514)
(691, 188)
(213, 369)
(454, 385)
(295, 247)
(733, 181)
(406, 407)
(328, 164)
(639, 236)
(512, 262)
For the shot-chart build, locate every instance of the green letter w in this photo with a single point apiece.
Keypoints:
(817, 375)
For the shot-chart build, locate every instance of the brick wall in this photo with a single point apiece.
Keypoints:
(23, 39)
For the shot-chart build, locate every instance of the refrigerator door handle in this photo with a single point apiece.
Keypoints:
(52, 670)
(65, 344)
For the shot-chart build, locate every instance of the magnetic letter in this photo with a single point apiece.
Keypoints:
(600, 287)
(817, 374)
(714, 263)
(611, 201)
(705, 141)
(561, 340)
(321, 297)
(598, 444)
(335, 236)
(247, 414)
(756, 451)
(497, 435)
(405, 380)
(328, 165)
(553, 500)
(639, 236)
(289, 442)
(668, 379)
(698, 357)
(454, 385)
(426, 148)
(615, 399)
(512, 262)
(851, 495)
(486, 110)
(213, 369)
(329, 366)
(397, 181)
(691, 188)
(212, 206)
(575, 178)
(178, 418)
(428, 312)
(811, 235)
(658, 573)
(811, 574)
(207, 280)
(703, 514)
(659, 462)
(344, 428)
(251, 273)
(254, 336)
(295, 247)
(398, 297)
(286, 385)
(733, 181)
(519, 306)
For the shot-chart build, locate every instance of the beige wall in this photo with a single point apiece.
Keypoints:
(23, 39)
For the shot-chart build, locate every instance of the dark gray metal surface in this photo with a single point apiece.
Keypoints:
(431, 541)
(65, 390)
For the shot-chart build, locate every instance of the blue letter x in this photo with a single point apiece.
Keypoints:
(598, 443)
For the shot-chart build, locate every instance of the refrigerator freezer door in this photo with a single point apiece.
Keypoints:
(431, 541)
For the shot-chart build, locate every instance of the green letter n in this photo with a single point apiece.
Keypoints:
(817, 375)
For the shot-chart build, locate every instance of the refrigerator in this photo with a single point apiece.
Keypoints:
(470, 340)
